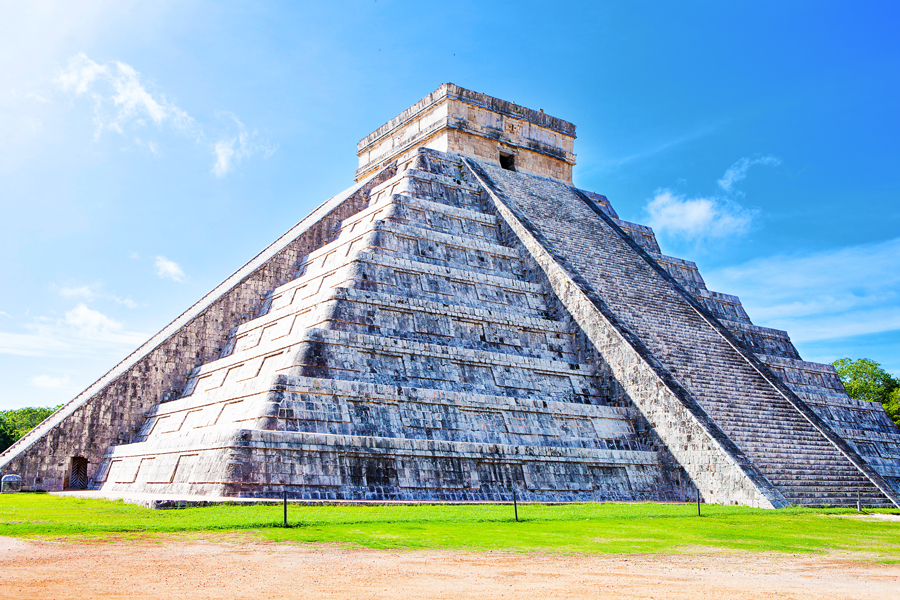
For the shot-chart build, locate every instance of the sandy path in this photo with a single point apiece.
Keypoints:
(191, 568)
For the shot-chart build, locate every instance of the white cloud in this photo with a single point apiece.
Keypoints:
(34, 344)
(224, 150)
(37, 98)
(91, 323)
(151, 146)
(168, 269)
(696, 218)
(119, 96)
(92, 292)
(50, 382)
(5, 314)
(88, 292)
(821, 295)
(123, 101)
(232, 149)
(82, 332)
(738, 171)
(128, 302)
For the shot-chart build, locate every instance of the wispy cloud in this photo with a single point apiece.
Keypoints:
(231, 150)
(168, 269)
(87, 292)
(738, 171)
(120, 98)
(123, 101)
(50, 382)
(713, 216)
(653, 149)
(127, 302)
(696, 218)
(224, 151)
(91, 323)
(90, 293)
(80, 332)
(822, 295)
(151, 146)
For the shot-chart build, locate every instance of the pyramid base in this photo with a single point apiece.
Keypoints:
(243, 463)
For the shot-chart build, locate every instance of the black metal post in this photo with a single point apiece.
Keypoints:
(698, 502)
(515, 505)
(285, 508)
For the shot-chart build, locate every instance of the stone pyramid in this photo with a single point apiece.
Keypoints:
(460, 323)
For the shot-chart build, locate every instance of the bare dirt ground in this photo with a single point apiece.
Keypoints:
(181, 567)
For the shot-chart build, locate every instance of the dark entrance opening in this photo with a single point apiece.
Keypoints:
(508, 161)
(78, 478)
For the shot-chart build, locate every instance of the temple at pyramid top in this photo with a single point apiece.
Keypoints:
(459, 121)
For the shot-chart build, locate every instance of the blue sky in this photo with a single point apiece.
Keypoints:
(148, 150)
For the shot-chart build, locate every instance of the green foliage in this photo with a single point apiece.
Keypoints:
(864, 379)
(892, 406)
(7, 435)
(16, 423)
(588, 528)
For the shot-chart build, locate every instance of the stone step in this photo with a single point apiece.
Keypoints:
(329, 402)
(391, 317)
(405, 276)
(441, 217)
(458, 324)
(444, 249)
(345, 466)
(834, 495)
(408, 360)
(404, 317)
(793, 450)
(414, 243)
(417, 183)
(833, 487)
(344, 355)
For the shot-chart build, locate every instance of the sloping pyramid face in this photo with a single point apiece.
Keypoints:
(415, 356)
(461, 323)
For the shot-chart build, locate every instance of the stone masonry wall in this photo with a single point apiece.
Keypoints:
(456, 120)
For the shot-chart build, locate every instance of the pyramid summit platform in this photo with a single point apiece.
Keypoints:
(459, 323)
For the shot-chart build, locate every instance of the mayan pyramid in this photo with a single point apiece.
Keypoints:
(460, 323)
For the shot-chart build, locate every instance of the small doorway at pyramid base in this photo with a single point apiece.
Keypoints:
(76, 478)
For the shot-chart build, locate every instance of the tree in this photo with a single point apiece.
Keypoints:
(16, 423)
(864, 379)
(7, 435)
(892, 407)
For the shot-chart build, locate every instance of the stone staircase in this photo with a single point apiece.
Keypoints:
(787, 449)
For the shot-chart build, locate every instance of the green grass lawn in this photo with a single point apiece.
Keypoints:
(592, 528)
